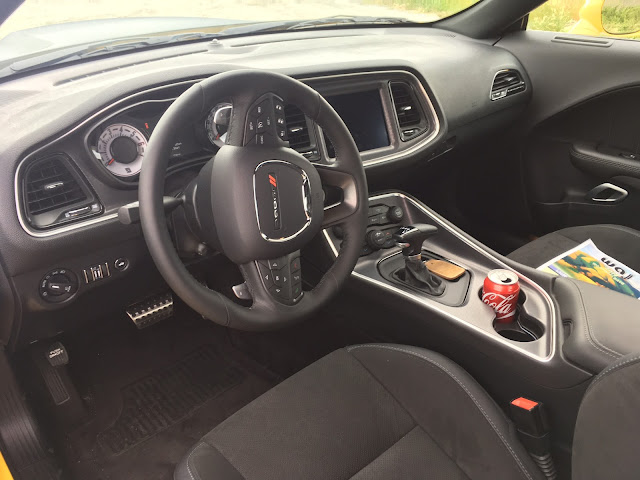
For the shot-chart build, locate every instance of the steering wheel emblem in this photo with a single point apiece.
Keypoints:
(282, 200)
(273, 180)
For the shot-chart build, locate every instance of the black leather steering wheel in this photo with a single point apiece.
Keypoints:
(257, 201)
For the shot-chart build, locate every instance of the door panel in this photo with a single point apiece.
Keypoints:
(581, 153)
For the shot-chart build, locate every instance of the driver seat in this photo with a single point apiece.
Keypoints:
(398, 412)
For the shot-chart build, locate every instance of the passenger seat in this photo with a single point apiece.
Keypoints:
(621, 243)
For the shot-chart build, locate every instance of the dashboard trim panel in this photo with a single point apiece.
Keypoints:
(96, 120)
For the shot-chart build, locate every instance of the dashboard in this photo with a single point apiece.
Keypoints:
(74, 139)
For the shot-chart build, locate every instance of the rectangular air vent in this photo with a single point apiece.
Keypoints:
(49, 185)
(298, 134)
(297, 129)
(507, 83)
(411, 119)
(54, 193)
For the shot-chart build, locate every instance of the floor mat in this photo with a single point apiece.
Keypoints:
(152, 394)
(154, 403)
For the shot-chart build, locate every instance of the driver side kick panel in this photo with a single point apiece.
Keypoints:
(581, 157)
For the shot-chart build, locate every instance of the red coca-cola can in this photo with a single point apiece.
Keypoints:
(500, 291)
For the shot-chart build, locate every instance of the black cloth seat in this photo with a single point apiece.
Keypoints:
(620, 242)
(366, 412)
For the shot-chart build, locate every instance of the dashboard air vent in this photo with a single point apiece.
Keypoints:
(411, 119)
(507, 83)
(50, 185)
(54, 192)
(297, 128)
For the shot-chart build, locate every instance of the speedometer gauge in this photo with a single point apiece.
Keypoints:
(217, 123)
(121, 148)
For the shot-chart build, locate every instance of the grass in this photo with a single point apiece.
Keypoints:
(556, 15)
(620, 19)
(441, 8)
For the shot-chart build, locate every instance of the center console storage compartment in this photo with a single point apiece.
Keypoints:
(601, 325)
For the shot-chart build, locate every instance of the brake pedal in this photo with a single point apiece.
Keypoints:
(152, 310)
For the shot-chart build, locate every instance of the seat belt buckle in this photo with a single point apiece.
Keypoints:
(531, 421)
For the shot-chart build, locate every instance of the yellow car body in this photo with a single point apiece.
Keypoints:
(5, 474)
(590, 22)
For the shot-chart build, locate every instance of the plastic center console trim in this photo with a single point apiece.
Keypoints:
(440, 221)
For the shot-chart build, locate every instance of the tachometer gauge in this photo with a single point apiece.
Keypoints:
(217, 123)
(121, 148)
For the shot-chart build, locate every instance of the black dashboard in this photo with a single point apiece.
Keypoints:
(74, 139)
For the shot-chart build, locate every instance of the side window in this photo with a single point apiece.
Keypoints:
(599, 18)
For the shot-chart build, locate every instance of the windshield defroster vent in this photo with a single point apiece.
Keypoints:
(54, 193)
(411, 119)
(507, 83)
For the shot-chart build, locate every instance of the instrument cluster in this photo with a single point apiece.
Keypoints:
(119, 142)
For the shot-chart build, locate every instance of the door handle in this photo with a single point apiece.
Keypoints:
(607, 193)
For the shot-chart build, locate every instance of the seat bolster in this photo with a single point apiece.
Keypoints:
(452, 408)
(205, 462)
(605, 444)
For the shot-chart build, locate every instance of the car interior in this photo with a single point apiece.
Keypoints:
(265, 254)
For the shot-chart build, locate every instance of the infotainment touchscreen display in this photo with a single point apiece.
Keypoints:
(362, 113)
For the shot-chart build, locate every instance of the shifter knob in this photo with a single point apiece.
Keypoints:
(410, 238)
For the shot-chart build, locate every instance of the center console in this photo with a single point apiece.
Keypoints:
(383, 265)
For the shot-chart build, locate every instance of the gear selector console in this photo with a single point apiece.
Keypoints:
(416, 273)
(398, 266)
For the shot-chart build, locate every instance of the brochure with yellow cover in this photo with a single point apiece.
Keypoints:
(589, 264)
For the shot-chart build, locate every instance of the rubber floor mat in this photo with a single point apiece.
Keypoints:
(163, 398)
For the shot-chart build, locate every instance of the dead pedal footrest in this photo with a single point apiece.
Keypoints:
(152, 310)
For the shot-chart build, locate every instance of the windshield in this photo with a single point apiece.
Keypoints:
(39, 26)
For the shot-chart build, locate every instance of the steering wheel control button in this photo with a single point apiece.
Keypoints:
(242, 291)
(58, 285)
(279, 292)
(261, 108)
(295, 264)
(265, 273)
(296, 278)
(277, 263)
(121, 264)
(281, 277)
(266, 122)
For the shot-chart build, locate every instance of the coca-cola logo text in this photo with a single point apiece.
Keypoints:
(505, 306)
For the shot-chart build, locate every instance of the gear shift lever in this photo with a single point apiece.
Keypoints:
(410, 239)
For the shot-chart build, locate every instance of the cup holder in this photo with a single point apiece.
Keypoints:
(524, 328)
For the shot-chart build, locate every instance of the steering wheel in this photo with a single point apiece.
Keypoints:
(257, 201)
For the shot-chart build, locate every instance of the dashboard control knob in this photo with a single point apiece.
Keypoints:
(395, 214)
(376, 239)
(58, 285)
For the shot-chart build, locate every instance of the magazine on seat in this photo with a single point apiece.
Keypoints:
(588, 263)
